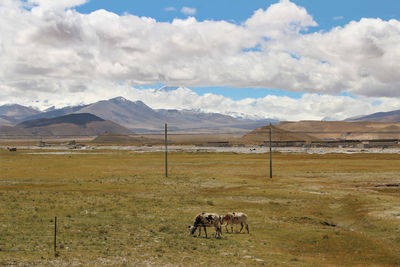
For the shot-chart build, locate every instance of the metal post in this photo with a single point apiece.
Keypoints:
(270, 150)
(166, 151)
(55, 236)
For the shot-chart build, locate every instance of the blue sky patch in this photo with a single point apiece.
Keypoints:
(241, 93)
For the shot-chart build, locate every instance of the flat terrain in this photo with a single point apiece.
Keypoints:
(116, 208)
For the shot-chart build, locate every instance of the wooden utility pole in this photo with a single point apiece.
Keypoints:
(166, 151)
(270, 150)
(55, 236)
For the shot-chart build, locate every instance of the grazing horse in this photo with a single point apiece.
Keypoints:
(235, 218)
(12, 149)
(206, 220)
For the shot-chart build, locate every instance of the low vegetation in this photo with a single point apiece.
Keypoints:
(117, 208)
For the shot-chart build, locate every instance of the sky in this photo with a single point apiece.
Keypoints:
(280, 59)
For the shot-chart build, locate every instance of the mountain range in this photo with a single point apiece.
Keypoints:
(138, 117)
(121, 116)
(391, 116)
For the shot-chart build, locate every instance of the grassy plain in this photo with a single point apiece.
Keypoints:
(116, 208)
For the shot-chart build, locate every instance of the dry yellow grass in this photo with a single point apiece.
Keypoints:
(116, 208)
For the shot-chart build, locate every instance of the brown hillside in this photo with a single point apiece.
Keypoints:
(79, 124)
(5, 122)
(391, 118)
(70, 129)
(344, 130)
(261, 135)
(10, 132)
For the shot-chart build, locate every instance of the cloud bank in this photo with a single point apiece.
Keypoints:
(48, 49)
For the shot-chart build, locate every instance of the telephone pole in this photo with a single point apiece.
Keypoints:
(270, 150)
(166, 151)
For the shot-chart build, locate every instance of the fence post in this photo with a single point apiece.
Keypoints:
(55, 236)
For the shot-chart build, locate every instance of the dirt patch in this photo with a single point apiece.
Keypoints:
(388, 185)
(388, 188)
(309, 220)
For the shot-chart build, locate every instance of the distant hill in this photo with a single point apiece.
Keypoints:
(391, 116)
(330, 130)
(261, 135)
(10, 132)
(5, 121)
(13, 113)
(81, 124)
(80, 119)
(17, 111)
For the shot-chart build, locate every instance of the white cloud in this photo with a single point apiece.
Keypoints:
(52, 50)
(188, 10)
(279, 20)
(170, 9)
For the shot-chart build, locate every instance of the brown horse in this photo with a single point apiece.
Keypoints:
(235, 218)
